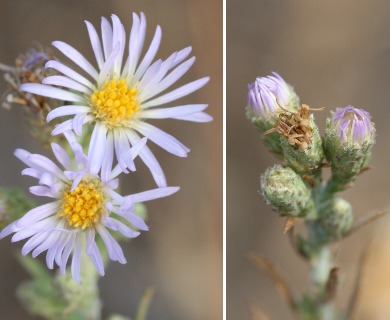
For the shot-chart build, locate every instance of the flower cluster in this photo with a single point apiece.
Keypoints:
(294, 136)
(109, 106)
(298, 190)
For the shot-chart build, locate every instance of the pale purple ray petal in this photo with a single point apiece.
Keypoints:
(61, 156)
(34, 241)
(135, 220)
(108, 159)
(47, 179)
(76, 259)
(113, 248)
(97, 148)
(32, 173)
(148, 58)
(60, 67)
(177, 93)
(66, 82)
(133, 153)
(161, 138)
(196, 117)
(52, 250)
(119, 226)
(46, 165)
(51, 92)
(93, 252)
(95, 42)
(118, 36)
(66, 253)
(115, 196)
(106, 37)
(40, 226)
(151, 73)
(181, 55)
(61, 245)
(38, 213)
(76, 57)
(153, 194)
(50, 241)
(11, 228)
(78, 122)
(146, 86)
(163, 113)
(42, 191)
(108, 67)
(66, 111)
(149, 159)
(169, 80)
(68, 125)
(136, 43)
(122, 147)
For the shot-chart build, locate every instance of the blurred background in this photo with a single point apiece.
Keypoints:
(334, 53)
(181, 255)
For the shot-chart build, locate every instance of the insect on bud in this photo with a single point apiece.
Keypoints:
(348, 142)
(286, 191)
(265, 97)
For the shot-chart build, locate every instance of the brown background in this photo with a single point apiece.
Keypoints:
(182, 253)
(334, 53)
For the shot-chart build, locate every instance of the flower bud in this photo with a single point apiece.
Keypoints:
(266, 96)
(336, 221)
(348, 142)
(286, 191)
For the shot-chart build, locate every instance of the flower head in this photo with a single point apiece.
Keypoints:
(352, 125)
(285, 190)
(267, 94)
(120, 95)
(84, 204)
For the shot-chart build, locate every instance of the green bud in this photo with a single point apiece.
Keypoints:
(336, 221)
(285, 190)
(348, 142)
(60, 297)
(304, 160)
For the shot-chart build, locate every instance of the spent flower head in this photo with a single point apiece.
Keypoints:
(30, 68)
(121, 94)
(84, 204)
(352, 124)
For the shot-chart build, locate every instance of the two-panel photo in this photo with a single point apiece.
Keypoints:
(194, 160)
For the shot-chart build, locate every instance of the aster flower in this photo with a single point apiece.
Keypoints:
(118, 100)
(267, 94)
(352, 124)
(85, 204)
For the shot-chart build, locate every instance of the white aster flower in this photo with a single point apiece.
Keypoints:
(85, 204)
(119, 99)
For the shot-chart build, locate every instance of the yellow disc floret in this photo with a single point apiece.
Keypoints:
(85, 205)
(115, 103)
